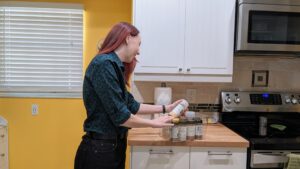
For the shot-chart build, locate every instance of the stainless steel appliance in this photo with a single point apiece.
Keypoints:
(270, 121)
(268, 26)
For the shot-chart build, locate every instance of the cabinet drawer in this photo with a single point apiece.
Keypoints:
(3, 148)
(218, 158)
(3, 135)
(154, 157)
(3, 161)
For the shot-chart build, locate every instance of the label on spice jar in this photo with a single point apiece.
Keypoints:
(175, 133)
(191, 131)
(198, 130)
(182, 133)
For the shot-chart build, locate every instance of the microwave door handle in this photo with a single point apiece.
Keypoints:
(269, 158)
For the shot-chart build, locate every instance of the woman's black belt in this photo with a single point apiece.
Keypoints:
(98, 136)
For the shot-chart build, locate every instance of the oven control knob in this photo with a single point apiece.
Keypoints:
(237, 99)
(228, 100)
(287, 100)
(294, 101)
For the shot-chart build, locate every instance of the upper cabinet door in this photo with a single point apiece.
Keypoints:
(209, 36)
(161, 25)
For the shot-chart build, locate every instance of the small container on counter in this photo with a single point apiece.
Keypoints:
(182, 129)
(166, 132)
(191, 130)
(175, 133)
(198, 128)
(179, 108)
(175, 130)
(171, 133)
(190, 115)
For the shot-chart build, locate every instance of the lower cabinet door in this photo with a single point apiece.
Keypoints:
(3, 160)
(3, 135)
(218, 158)
(159, 157)
(3, 148)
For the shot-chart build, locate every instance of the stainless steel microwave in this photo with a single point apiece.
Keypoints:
(268, 26)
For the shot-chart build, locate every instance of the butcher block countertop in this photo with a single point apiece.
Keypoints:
(215, 135)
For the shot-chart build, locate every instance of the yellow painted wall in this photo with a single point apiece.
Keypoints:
(50, 139)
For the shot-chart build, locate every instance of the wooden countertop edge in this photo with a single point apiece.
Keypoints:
(190, 143)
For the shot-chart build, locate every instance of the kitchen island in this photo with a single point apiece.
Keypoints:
(220, 148)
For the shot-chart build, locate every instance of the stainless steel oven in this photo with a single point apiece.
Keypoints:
(268, 120)
(268, 26)
(270, 158)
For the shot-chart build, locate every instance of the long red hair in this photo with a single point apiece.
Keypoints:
(115, 38)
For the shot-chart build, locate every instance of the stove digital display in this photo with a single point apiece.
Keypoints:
(266, 99)
(265, 95)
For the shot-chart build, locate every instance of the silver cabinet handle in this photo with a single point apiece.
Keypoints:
(188, 69)
(180, 69)
(210, 153)
(161, 151)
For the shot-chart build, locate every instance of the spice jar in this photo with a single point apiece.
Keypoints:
(182, 129)
(179, 108)
(175, 130)
(175, 133)
(166, 133)
(198, 128)
(191, 130)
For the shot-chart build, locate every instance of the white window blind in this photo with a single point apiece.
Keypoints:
(41, 50)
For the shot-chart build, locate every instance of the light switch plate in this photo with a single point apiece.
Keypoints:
(34, 109)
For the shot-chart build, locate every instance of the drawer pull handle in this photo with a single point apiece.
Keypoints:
(161, 151)
(2, 135)
(228, 153)
(2, 155)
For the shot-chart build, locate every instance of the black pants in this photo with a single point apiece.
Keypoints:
(101, 154)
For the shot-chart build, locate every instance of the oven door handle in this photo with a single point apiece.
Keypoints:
(259, 158)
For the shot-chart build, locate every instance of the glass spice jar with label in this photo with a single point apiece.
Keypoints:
(198, 128)
(191, 130)
(175, 130)
(182, 129)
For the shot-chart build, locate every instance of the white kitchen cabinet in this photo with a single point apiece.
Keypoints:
(218, 158)
(185, 40)
(168, 157)
(161, 25)
(209, 36)
(3, 148)
(159, 157)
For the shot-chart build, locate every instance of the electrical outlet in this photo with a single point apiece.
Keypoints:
(34, 109)
(260, 78)
(191, 95)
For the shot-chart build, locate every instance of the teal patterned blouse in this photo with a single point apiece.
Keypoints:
(107, 101)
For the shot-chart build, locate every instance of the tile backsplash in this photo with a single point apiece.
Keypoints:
(284, 75)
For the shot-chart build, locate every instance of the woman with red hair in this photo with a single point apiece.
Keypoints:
(110, 107)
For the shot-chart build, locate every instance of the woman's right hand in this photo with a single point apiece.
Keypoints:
(162, 121)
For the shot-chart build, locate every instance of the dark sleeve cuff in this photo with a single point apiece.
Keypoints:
(135, 107)
(124, 118)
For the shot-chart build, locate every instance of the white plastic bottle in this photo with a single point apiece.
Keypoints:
(179, 108)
